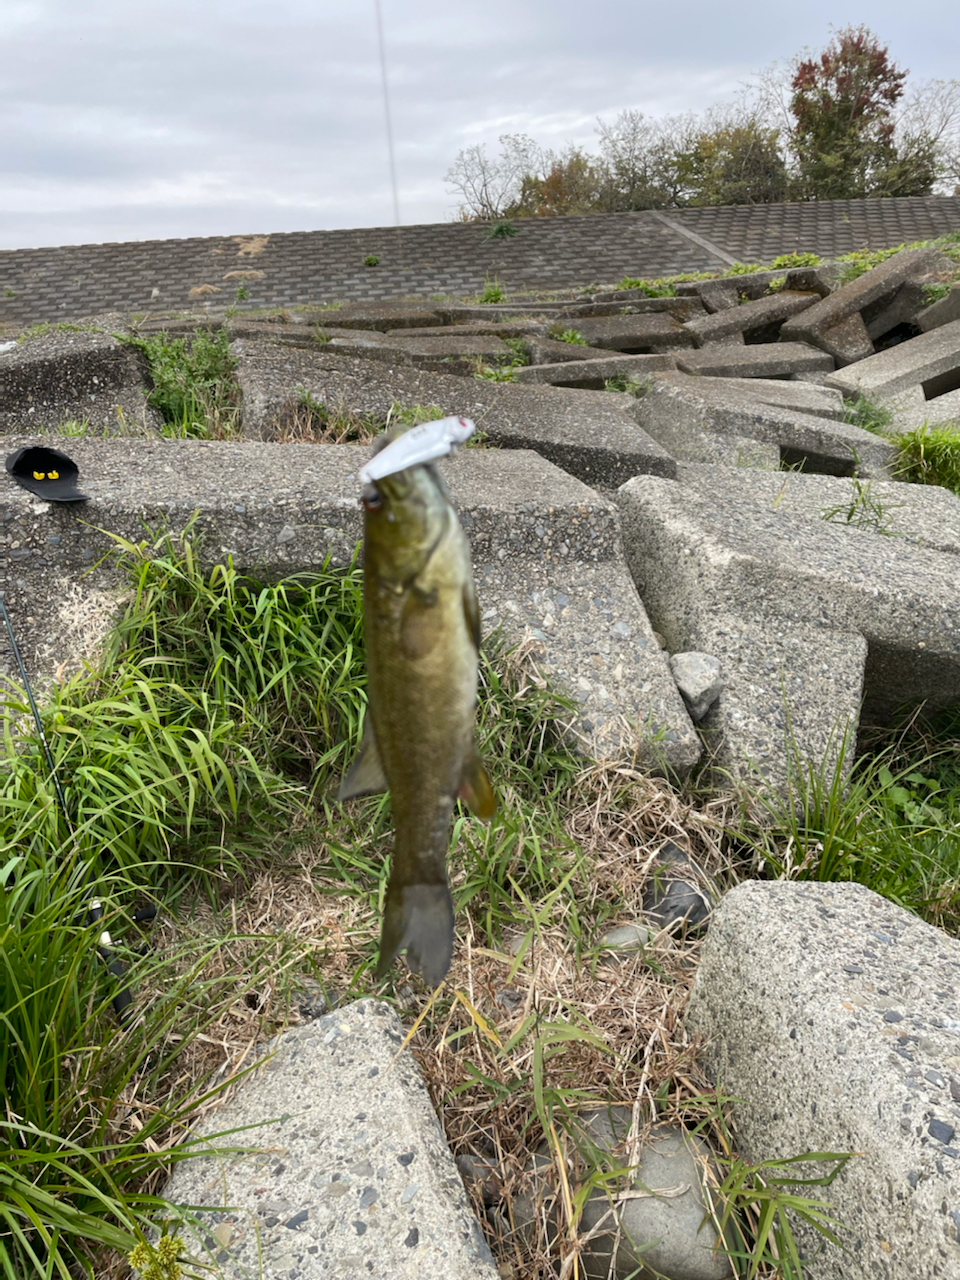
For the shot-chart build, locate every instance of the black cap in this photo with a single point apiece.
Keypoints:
(48, 473)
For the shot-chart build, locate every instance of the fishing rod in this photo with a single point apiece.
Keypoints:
(122, 1001)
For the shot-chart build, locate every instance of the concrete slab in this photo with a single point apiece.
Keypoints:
(936, 412)
(802, 613)
(847, 341)
(686, 414)
(876, 285)
(839, 1033)
(802, 397)
(760, 360)
(751, 315)
(546, 552)
(552, 351)
(591, 374)
(591, 434)
(931, 361)
(376, 315)
(943, 312)
(66, 375)
(636, 332)
(350, 1175)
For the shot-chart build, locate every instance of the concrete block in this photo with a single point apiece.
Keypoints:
(552, 351)
(504, 329)
(822, 279)
(930, 361)
(904, 307)
(802, 611)
(766, 311)
(942, 409)
(546, 551)
(882, 282)
(847, 341)
(718, 295)
(943, 312)
(636, 333)
(764, 360)
(349, 1175)
(839, 1033)
(382, 316)
(591, 434)
(67, 375)
(592, 374)
(802, 397)
(679, 411)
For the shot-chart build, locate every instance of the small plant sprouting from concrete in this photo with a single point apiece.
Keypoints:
(491, 291)
(573, 336)
(502, 370)
(502, 229)
(791, 261)
(868, 414)
(930, 455)
(631, 386)
(371, 260)
(864, 510)
(934, 292)
(193, 383)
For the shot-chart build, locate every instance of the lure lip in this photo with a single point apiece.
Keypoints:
(422, 443)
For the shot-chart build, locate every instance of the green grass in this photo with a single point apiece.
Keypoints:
(491, 291)
(868, 414)
(193, 383)
(930, 455)
(211, 737)
(572, 336)
(889, 820)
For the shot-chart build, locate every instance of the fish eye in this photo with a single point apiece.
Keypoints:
(372, 498)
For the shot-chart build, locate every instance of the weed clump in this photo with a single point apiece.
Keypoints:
(193, 383)
(930, 455)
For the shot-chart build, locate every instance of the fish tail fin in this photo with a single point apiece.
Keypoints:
(420, 918)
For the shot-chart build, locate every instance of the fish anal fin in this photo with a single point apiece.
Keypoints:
(365, 776)
(476, 790)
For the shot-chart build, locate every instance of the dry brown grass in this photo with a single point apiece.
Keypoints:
(480, 1043)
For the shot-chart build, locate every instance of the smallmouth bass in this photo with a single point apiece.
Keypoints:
(422, 627)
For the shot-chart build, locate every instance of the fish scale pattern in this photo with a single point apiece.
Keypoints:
(446, 259)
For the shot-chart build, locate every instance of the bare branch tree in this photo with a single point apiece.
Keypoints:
(489, 187)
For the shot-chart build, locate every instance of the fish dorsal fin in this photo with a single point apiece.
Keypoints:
(476, 790)
(365, 776)
(471, 611)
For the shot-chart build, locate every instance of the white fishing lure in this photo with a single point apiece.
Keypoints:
(418, 445)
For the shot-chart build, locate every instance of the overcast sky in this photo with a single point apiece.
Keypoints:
(146, 119)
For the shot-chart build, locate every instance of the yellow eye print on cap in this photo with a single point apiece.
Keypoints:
(39, 475)
(53, 475)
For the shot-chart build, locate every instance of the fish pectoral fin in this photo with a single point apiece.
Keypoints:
(420, 628)
(476, 790)
(365, 776)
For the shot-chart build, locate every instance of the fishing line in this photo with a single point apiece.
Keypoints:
(123, 1000)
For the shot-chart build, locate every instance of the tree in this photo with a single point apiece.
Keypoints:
(572, 183)
(737, 160)
(489, 187)
(844, 133)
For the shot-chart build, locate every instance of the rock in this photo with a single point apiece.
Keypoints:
(625, 938)
(698, 679)
(656, 1221)
(673, 895)
(832, 1015)
(349, 1173)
